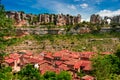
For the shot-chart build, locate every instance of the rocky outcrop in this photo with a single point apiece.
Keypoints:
(95, 19)
(116, 19)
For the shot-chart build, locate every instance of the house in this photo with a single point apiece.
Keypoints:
(63, 60)
(106, 53)
(86, 55)
(87, 77)
(13, 60)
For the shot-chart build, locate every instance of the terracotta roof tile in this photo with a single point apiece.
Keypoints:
(14, 56)
(58, 63)
(49, 55)
(106, 53)
(87, 54)
(87, 77)
(83, 63)
(9, 61)
(57, 54)
(71, 61)
(63, 67)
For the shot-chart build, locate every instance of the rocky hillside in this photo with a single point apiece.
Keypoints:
(37, 45)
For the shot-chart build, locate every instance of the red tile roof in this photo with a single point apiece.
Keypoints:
(11, 58)
(14, 56)
(58, 63)
(71, 61)
(9, 61)
(74, 55)
(42, 61)
(32, 60)
(77, 65)
(87, 77)
(86, 54)
(82, 63)
(7, 57)
(57, 54)
(45, 67)
(65, 58)
(106, 53)
(49, 55)
(63, 67)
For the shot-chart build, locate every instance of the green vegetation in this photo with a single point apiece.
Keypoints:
(81, 42)
(6, 24)
(6, 43)
(31, 73)
(107, 67)
(5, 73)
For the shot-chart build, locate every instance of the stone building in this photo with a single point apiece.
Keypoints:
(95, 19)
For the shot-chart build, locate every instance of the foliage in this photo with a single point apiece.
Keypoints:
(105, 66)
(29, 73)
(63, 75)
(81, 73)
(5, 73)
(6, 24)
(49, 75)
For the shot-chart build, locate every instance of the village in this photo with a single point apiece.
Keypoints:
(59, 40)
(63, 60)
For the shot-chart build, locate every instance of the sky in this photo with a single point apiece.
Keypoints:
(84, 7)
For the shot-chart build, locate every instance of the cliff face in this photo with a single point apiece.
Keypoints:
(95, 19)
(29, 19)
(116, 19)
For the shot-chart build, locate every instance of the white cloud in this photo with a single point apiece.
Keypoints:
(84, 5)
(56, 6)
(87, 19)
(72, 7)
(65, 8)
(108, 13)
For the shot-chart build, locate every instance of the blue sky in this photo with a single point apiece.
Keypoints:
(73, 7)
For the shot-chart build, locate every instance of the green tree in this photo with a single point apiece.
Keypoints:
(29, 73)
(63, 75)
(104, 66)
(49, 75)
(5, 73)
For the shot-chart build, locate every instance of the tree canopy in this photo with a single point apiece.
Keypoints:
(106, 67)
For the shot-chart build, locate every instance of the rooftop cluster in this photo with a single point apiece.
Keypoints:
(63, 60)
